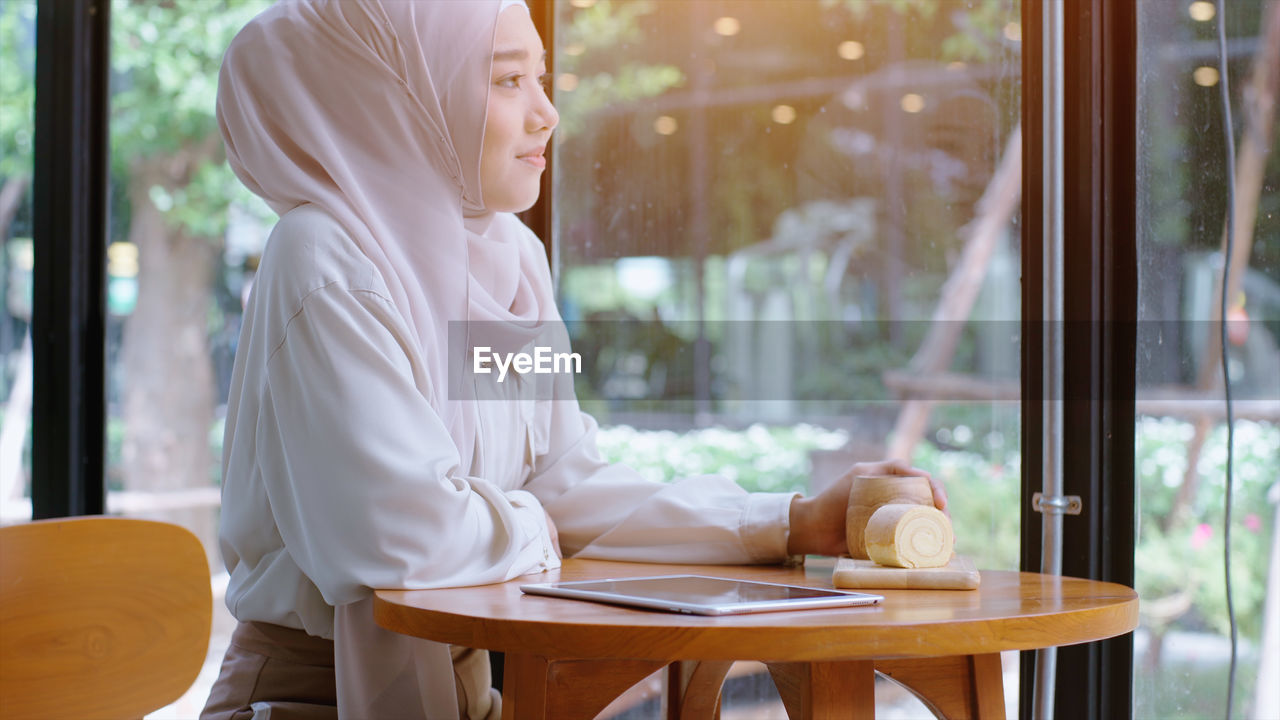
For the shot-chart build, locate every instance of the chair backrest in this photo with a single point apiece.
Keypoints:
(100, 617)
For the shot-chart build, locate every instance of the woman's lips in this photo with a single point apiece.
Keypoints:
(535, 159)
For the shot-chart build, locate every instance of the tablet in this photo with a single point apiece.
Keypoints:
(702, 595)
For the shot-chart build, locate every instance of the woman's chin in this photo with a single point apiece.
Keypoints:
(513, 203)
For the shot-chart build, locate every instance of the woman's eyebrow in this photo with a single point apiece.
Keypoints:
(514, 54)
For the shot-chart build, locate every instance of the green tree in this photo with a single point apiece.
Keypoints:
(168, 157)
(589, 41)
(979, 23)
(17, 102)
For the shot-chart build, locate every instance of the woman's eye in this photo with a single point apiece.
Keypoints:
(510, 81)
(545, 81)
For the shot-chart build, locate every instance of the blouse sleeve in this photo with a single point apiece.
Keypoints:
(611, 512)
(361, 474)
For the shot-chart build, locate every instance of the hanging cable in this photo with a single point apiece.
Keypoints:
(1222, 329)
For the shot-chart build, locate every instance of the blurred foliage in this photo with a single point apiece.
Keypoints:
(861, 8)
(983, 484)
(983, 494)
(1185, 557)
(981, 28)
(979, 23)
(760, 458)
(165, 58)
(849, 375)
(589, 44)
(17, 86)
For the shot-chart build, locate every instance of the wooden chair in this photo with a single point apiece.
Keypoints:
(100, 617)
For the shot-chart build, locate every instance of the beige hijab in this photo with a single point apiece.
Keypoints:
(374, 110)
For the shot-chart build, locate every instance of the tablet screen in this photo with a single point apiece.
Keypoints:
(701, 594)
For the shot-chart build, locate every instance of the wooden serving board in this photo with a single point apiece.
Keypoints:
(959, 574)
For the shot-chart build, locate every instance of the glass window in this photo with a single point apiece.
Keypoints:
(776, 222)
(1182, 646)
(183, 241)
(17, 129)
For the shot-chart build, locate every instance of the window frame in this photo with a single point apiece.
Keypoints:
(538, 217)
(1100, 288)
(70, 215)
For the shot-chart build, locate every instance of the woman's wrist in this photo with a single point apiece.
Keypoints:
(798, 518)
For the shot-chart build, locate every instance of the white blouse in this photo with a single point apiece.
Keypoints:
(339, 477)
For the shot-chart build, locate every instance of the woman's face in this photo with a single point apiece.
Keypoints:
(519, 119)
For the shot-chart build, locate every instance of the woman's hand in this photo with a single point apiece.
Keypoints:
(818, 522)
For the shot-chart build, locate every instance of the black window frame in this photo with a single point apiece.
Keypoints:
(70, 207)
(1093, 680)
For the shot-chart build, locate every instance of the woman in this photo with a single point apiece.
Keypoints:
(395, 139)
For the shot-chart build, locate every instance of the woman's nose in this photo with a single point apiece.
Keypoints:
(542, 115)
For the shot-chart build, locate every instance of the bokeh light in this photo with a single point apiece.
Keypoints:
(1202, 11)
(851, 50)
(728, 26)
(1205, 76)
(567, 82)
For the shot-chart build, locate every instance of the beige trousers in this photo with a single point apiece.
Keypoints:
(277, 673)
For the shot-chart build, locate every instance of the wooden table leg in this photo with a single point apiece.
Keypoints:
(693, 689)
(524, 687)
(963, 687)
(536, 688)
(827, 690)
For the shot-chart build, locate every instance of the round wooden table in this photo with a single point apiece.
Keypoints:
(568, 659)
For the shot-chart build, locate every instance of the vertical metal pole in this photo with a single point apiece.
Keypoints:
(1051, 517)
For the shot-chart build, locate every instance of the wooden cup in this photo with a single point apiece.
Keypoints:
(869, 492)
